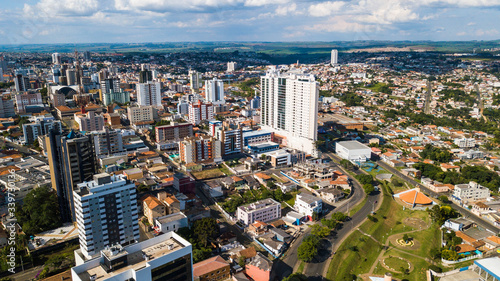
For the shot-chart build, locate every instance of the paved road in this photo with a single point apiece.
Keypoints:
(479, 221)
(315, 269)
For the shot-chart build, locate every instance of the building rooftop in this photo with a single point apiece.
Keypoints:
(209, 265)
(258, 205)
(138, 255)
(171, 217)
(249, 134)
(308, 198)
(351, 145)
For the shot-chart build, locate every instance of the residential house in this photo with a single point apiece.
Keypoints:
(212, 269)
(331, 194)
(307, 204)
(153, 208)
(259, 268)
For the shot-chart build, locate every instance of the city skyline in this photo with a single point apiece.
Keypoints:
(131, 21)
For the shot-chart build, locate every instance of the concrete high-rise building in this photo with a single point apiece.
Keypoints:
(149, 94)
(56, 58)
(1, 74)
(106, 213)
(255, 103)
(21, 83)
(121, 97)
(141, 114)
(26, 99)
(72, 161)
(40, 127)
(289, 107)
(214, 90)
(87, 56)
(107, 142)
(56, 73)
(173, 132)
(183, 107)
(334, 58)
(165, 257)
(103, 74)
(71, 76)
(145, 76)
(202, 149)
(110, 84)
(194, 80)
(89, 121)
(7, 108)
(231, 66)
(230, 135)
(3, 64)
(199, 111)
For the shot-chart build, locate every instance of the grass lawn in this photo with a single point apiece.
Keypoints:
(207, 174)
(357, 207)
(349, 260)
(390, 218)
(225, 170)
(395, 263)
(417, 274)
(301, 267)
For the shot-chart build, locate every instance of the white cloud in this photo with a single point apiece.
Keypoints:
(258, 3)
(341, 24)
(67, 8)
(481, 32)
(325, 8)
(286, 9)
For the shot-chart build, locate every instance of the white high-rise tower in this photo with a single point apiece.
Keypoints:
(194, 80)
(56, 58)
(335, 57)
(149, 93)
(289, 104)
(214, 91)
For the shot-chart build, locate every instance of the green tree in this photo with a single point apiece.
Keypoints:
(364, 179)
(205, 230)
(278, 195)
(369, 188)
(406, 238)
(40, 211)
(449, 255)
(308, 249)
(330, 223)
(320, 231)
(338, 216)
(201, 254)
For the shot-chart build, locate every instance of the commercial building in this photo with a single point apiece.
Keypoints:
(280, 158)
(107, 142)
(173, 132)
(256, 137)
(470, 192)
(149, 94)
(89, 121)
(40, 127)
(307, 204)
(165, 257)
(334, 57)
(214, 90)
(353, 151)
(199, 111)
(263, 210)
(212, 269)
(72, 160)
(28, 99)
(106, 213)
(289, 106)
(65, 112)
(202, 149)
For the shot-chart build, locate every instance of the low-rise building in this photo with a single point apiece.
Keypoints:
(212, 269)
(308, 204)
(153, 208)
(263, 210)
(470, 192)
(171, 222)
(353, 151)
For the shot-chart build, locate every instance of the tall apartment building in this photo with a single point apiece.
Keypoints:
(173, 132)
(263, 210)
(231, 66)
(108, 85)
(21, 83)
(199, 111)
(194, 80)
(107, 142)
(7, 108)
(141, 114)
(72, 76)
(56, 58)
(149, 94)
(87, 56)
(40, 127)
(89, 121)
(72, 161)
(121, 97)
(165, 257)
(25, 99)
(334, 58)
(289, 106)
(202, 149)
(214, 90)
(1, 74)
(106, 213)
(230, 135)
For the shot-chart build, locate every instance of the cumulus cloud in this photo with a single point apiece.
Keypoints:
(286, 9)
(258, 3)
(325, 8)
(66, 8)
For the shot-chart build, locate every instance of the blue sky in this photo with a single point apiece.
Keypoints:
(91, 21)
